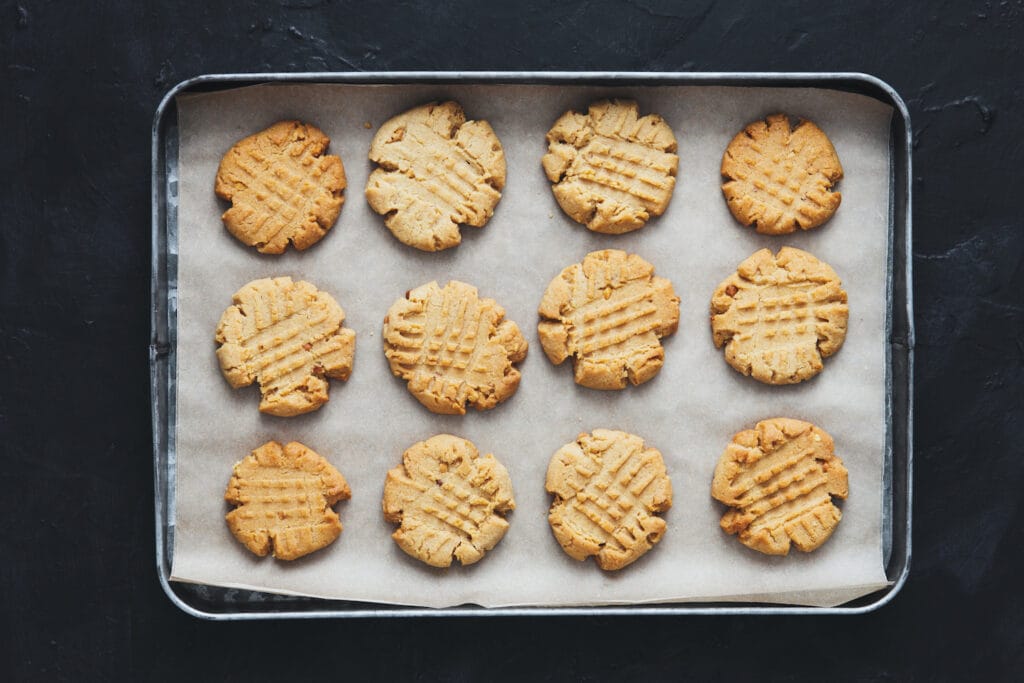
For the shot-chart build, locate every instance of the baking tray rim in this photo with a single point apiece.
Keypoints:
(160, 352)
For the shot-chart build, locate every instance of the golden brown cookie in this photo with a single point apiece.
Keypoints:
(611, 169)
(778, 316)
(453, 347)
(609, 313)
(288, 337)
(449, 501)
(437, 171)
(609, 488)
(780, 178)
(284, 498)
(282, 187)
(779, 479)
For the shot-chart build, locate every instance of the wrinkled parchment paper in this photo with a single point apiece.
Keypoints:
(689, 411)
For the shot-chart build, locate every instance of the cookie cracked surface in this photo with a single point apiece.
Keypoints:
(288, 336)
(779, 479)
(282, 187)
(284, 497)
(611, 169)
(608, 312)
(609, 488)
(436, 171)
(779, 178)
(449, 501)
(778, 316)
(453, 347)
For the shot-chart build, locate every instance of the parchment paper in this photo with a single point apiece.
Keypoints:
(689, 411)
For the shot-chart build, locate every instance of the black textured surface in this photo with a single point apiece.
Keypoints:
(79, 83)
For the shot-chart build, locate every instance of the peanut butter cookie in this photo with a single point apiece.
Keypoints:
(779, 479)
(779, 178)
(288, 337)
(778, 316)
(609, 488)
(608, 312)
(449, 501)
(437, 171)
(453, 347)
(611, 169)
(284, 498)
(282, 187)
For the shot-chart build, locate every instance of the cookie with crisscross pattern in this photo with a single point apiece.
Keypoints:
(437, 171)
(282, 186)
(778, 316)
(779, 479)
(780, 178)
(449, 501)
(284, 497)
(453, 347)
(609, 313)
(611, 169)
(609, 488)
(288, 336)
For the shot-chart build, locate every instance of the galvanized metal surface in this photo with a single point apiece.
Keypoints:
(211, 602)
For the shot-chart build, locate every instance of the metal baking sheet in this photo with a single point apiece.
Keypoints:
(213, 602)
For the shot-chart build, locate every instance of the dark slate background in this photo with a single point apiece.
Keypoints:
(79, 82)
